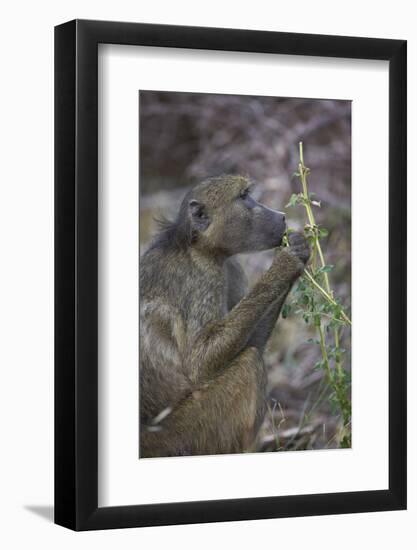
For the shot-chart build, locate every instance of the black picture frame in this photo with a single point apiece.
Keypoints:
(76, 271)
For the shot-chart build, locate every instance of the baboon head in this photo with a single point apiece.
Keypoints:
(220, 215)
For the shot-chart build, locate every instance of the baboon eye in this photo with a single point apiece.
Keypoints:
(197, 209)
(244, 194)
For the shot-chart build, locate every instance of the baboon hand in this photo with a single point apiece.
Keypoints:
(298, 246)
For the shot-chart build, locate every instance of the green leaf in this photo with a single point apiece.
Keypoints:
(319, 365)
(294, 199)
(305, 299)
(325, 269)
(345, 443)
(336, 323)
(286, 310)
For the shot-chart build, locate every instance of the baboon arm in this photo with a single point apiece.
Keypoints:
(264, 328)
(237, 284)
(219, 342)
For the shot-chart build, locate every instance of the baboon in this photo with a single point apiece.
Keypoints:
(202, 377)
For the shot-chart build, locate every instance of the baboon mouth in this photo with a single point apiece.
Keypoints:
(279, 243)
(281, 234)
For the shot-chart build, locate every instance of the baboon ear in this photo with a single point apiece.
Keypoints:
(198, 215)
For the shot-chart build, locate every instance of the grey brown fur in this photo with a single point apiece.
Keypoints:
(202, 377)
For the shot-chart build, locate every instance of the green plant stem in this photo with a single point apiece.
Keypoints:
(334, 384)
(303, 177)
(324, 354)
(338, 384)
(337, 346)
(337, 388)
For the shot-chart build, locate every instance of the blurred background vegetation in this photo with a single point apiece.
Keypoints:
(186, 137)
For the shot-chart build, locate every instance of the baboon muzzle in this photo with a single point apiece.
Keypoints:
(274, 225)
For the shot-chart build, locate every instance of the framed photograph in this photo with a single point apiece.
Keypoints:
(230, 284)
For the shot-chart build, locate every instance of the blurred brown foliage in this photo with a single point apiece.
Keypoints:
(185, 137)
